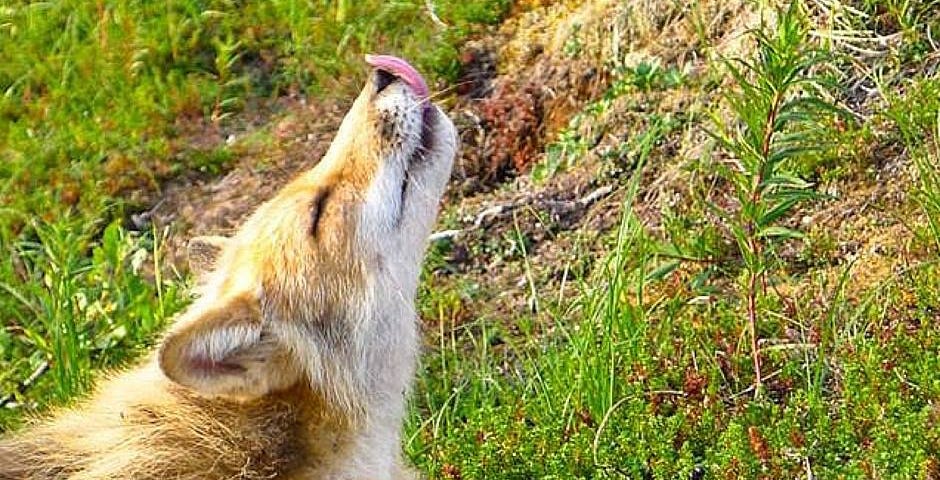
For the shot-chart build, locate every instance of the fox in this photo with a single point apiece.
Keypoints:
(296, 356)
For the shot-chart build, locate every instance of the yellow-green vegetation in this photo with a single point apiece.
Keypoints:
(764, 304)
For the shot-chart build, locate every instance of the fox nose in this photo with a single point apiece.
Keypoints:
(388, 69)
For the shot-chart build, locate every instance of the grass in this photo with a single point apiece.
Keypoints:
(83, 300)
(640, 363)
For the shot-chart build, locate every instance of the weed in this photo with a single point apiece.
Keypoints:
(647, 76)
(776, 105)
(227, 98)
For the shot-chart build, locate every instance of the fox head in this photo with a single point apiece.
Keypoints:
(317, 287)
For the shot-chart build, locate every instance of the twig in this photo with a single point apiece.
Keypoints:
(596, 195)
(686, 258)
(444, 235)
(675, 393)
(496, 211)
(429, 6)
(788, 346)
(490, 212)
(24, 385)
(751, 388)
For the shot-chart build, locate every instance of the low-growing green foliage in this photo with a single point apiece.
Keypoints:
(635, 384)
(645, 372)
(78, 303)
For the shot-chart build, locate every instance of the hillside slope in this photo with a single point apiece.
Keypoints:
(683, 240)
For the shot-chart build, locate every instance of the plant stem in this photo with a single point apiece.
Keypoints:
(754, 242)
(752, 326)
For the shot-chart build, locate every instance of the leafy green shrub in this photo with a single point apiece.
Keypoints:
(78, 303)
(776, 107)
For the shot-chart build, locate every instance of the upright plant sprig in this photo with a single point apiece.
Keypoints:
(774, 108)
(227, 54)
(928, 192)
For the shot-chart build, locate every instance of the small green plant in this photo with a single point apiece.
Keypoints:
(564, 151)
(928, 192)
(646, 76)
(227, 97)
(777, 103)
(86, 303)
(574, 45)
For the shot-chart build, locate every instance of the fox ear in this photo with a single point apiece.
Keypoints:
(225, 350)
(204, 251)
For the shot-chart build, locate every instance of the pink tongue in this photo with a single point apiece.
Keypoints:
(402, 70)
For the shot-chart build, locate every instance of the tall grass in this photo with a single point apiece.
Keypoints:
(928, 166)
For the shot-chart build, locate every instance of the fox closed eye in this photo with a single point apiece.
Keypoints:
(317, 207)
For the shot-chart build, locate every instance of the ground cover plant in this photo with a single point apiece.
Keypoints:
(722, 264)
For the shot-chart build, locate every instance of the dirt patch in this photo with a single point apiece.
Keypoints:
(263, 161)
(507, 118)
(552, 60)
